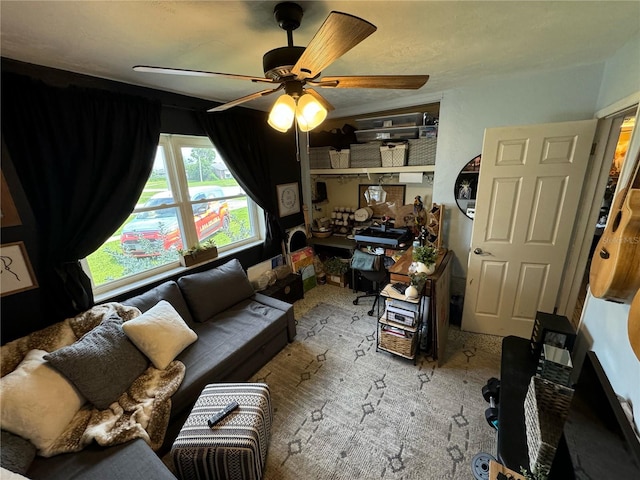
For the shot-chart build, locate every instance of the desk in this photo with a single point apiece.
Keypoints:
(437, 289)
(335, 246)
(334, 242)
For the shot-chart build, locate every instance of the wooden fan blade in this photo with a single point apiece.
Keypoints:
(339, 33)
(323, 101)
(407, 82)
(198, 73)
(244, 99)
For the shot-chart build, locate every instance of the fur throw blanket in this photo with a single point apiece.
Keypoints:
(141, 412)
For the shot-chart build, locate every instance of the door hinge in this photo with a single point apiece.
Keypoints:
(593, 148)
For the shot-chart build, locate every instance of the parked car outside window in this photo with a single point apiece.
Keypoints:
(151, 232)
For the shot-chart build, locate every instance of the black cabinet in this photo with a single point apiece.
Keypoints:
(288, 289)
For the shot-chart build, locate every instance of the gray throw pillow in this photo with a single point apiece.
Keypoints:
(16, 453)
(102, 364)
(213, 291)
(168, 291)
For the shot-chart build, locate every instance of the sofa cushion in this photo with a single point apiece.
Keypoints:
(16, 453)
(160, 333)
(213, 291)
(102, 364)
(168, 291)
(237, 334)
(36, 401)
(131, 460)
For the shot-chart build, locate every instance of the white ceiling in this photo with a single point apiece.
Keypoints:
(455, 42)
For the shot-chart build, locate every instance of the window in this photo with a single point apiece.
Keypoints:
(190, 196)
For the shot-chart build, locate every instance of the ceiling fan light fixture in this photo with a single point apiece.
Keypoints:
(282, 113)
(309, 113)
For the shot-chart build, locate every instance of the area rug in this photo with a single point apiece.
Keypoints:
(343, 410)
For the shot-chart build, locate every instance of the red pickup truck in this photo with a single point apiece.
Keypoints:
(151, 232)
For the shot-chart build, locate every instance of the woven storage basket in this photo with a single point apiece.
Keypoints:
(365, 154)
(402, 345)
(393, 155)
(545, 411)
(557, 368)
(422, 151)
(319, 157)
(339, 158)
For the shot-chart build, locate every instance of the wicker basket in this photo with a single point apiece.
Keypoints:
(403, 345)
(365, 154)
(393, 155)
(555, 365)
(545, 411)
(319, 157)
(339, 158)
(422, 151)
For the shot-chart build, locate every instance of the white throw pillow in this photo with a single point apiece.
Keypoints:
(37, 402)
(160, 333)
(9, 475)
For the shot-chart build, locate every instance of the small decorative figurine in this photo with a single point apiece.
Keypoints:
(417, 205)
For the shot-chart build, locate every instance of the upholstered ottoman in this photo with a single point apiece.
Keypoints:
(236, 447)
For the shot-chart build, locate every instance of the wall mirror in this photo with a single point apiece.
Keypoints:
(466, 187)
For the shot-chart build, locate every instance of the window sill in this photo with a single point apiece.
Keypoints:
(165, 275)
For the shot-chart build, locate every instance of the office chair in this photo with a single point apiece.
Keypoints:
(373, 269)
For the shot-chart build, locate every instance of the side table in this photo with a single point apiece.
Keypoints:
(400, 323)
(289, 289)
(437, 290)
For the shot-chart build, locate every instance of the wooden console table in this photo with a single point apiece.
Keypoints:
(437, 289)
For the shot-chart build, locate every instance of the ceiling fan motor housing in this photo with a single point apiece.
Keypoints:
(277, 63)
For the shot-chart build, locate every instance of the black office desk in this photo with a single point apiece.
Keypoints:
(337, 244)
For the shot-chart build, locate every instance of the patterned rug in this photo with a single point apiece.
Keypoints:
(342, 410)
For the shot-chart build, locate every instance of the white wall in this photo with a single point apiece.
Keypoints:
(543, 97)
(621, 74)
(603, 327)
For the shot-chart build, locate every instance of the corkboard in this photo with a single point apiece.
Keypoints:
(395, 197)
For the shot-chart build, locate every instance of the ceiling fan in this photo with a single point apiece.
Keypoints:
(296, 69)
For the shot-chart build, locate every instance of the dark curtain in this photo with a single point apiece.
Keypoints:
(246, 146)
(83, 157)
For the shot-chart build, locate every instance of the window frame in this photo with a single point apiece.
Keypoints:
(178, 184)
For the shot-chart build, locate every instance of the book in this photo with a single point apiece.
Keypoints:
(302, 262)
(301, 258)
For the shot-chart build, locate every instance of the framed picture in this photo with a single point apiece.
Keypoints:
(288, 199)
(16, 274)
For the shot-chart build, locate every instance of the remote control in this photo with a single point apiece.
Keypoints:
(222, 413)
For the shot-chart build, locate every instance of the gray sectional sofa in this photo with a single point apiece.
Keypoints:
(238, 332)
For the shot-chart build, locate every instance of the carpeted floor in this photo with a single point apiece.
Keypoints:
(342, 410)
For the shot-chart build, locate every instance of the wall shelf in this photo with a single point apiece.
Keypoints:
(367, 170)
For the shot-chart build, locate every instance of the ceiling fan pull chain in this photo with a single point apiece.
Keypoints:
(295, 125)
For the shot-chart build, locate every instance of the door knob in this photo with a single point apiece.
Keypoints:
(478, 251)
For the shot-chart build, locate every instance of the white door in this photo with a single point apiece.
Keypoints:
(528, 194)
